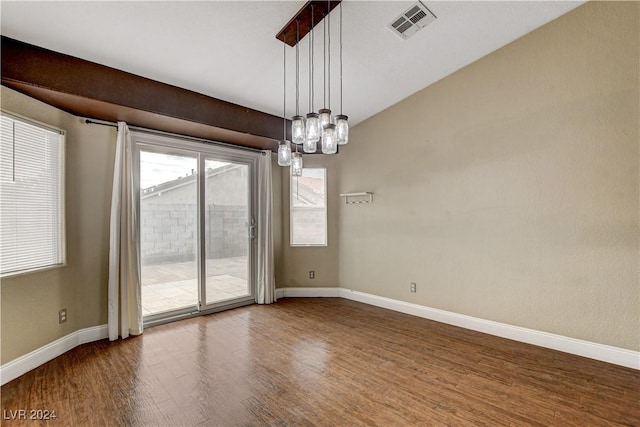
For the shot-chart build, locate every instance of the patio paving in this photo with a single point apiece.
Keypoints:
(167, 287)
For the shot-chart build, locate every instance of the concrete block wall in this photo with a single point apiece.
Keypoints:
(168, 232)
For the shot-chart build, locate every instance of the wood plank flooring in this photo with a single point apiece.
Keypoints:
(322, 362)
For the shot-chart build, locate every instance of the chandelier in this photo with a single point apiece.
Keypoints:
(317, 127)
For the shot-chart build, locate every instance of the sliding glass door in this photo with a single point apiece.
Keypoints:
(168, 231)
(227, 231)
(196, 226)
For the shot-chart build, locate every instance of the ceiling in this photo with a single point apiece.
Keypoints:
(228, 50)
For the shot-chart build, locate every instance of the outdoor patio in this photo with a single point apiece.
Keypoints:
(167, 287)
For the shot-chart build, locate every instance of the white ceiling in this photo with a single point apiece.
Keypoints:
(228, 50)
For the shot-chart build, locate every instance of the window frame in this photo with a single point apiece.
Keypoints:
(308, 209)
(62, 228)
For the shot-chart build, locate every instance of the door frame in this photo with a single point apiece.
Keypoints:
(203, 149)
(251, 163)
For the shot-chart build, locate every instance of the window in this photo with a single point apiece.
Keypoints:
(309, 208)
(31, 196)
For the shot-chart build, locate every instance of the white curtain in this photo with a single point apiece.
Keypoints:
(125, 310)
(266, 279)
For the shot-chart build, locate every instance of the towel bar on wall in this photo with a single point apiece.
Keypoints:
(362, 197)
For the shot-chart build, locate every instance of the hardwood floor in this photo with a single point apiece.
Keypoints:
(322, 362)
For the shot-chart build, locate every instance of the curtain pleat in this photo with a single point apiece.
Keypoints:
(125, 308)
(265, 268)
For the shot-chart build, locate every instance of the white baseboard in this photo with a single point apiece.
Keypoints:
(618, 356)
(307, 292)
(605, 353)
(92, 334)
(12, 370)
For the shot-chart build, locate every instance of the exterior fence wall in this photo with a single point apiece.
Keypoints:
(168, 232)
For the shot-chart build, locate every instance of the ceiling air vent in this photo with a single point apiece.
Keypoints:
(413, 19)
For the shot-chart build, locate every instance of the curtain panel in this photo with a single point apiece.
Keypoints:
(125, 308)
(266, 292)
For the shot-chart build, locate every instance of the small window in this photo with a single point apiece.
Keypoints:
(31, 196)
(309, 208)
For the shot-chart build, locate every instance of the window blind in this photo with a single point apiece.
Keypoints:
(31, 196)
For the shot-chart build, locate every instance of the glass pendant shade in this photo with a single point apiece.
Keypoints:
(313, 127)
(325, 117)
(310, 146)
(296, 164)
(284, 153)
(342, 129)
(329, 142)
(297, 130)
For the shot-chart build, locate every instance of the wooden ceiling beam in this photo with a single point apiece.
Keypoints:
(96, 91)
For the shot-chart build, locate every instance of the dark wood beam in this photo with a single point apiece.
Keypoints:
(96, 91)
(311, 14)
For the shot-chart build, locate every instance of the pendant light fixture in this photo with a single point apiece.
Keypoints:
(329, 142)
(328, 133)
(297, 126)
(297, 121)
(284, 148)
(318, 126)
(313, 123)
(325, 113)
(296, 164)
(284, 153)
(342, 121)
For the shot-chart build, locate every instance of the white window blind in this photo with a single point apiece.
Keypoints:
(309, 208)
(31, 196)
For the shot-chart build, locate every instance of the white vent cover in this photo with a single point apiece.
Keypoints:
(412, 20)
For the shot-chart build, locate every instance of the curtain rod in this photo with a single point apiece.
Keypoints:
(101, 122)
(159, 132)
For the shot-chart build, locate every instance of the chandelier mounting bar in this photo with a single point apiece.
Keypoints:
(307, 17)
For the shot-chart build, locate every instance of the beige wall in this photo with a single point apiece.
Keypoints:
(30, 302)
(509, 190)
(298, 261)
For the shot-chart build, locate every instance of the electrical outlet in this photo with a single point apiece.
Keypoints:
(312, 274)
(62, 315)
(412, 287)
